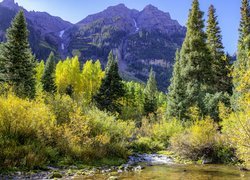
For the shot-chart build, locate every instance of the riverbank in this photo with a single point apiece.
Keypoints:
(136, 165)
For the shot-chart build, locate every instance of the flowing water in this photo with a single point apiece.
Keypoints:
(179, 172)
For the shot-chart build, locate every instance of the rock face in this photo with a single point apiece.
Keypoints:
(140, 39)
(44, 28)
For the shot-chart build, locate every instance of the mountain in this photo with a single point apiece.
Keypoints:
(140, 39)
(44, 28)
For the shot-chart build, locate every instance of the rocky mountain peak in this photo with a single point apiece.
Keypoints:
(10, 4)
(117, 16)
(119, 6)
(150, 7)
(151, 10)
(151, 18)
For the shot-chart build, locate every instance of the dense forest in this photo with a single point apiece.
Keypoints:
(62, 112)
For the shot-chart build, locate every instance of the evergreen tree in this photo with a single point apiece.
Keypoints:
(111, 60)
(150, 102)
(220, 63)
(195, 61)
(242, 63)
(244, 29)
(2, 69)
(176, 92)
(112, 88)
(48, 77)
(244, 40)
(19, 63)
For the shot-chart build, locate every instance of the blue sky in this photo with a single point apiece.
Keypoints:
(75, 10)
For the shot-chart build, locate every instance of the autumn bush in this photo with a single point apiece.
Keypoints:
(236, 128)
(24, 127)
(200, 141)
(155, 133)
(34, 134)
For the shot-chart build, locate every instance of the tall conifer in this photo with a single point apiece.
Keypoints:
(112, 88)
(243, 62)
(195, 63)
(48, 77)
(220, 63)
(19, 63)
(176, 91)
(244, 28)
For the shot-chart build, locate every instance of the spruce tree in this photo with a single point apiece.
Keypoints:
(242, 63)
(220, 63)
(112, 88)
(48, 77)
(150, 102)
(2, 68)
(244, 39)
(176, 92)
(195, 61)
(244, 29)
(19, 63)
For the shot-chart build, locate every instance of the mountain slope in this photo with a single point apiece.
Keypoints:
(44, 28)
(140, 40)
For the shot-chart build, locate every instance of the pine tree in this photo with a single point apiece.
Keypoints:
(150, 102)
(220, 63)
(176, 92)
(19, 63)
(244, 39)
(48, 77)
(112, 88)
(243, 62)
(195, 62)
(244, 29)
(2, 68)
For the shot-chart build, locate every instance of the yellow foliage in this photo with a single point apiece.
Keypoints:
(91, 76)
(236, 127)
(68, 74)
(163, 131)
(39, 72)
(23, 117)
(196, 140)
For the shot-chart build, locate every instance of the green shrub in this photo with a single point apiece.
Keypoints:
(147, 145)
(155, 133)
(61, 106)
(164, 130)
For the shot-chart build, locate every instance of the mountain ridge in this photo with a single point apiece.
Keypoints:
(141, 39)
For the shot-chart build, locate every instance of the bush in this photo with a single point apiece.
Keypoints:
(236, 128)
(109, 133)
(154, 133)
(93, 135)
(24, 128)
(164, 130)
(197, 141)
(61, 106)
(31, 138)
(147, 145)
